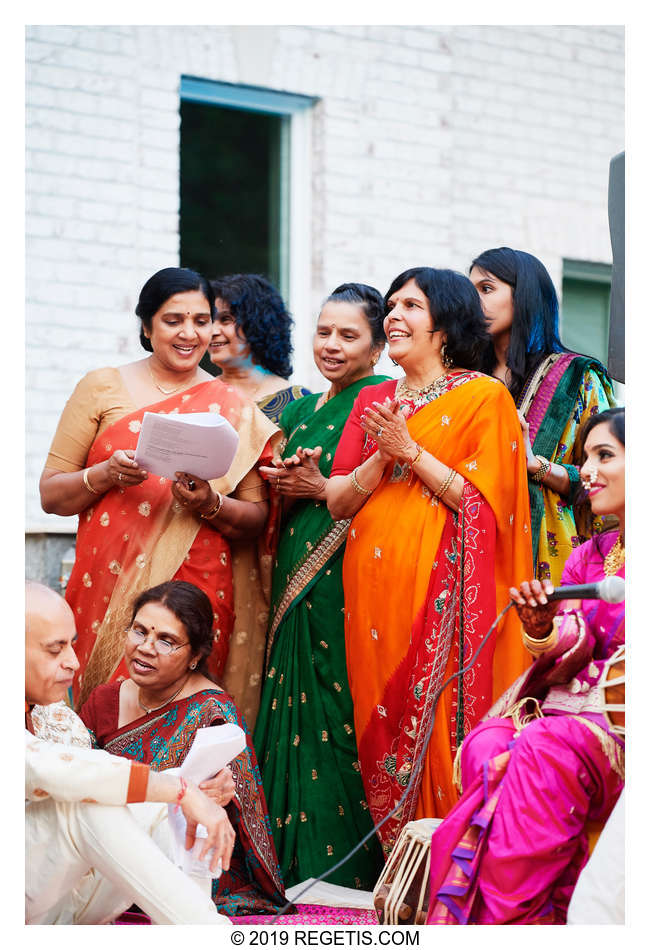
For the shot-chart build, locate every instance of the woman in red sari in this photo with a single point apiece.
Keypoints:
(431, 469)
(137, 530)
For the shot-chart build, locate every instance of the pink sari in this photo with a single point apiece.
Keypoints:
(511, 849)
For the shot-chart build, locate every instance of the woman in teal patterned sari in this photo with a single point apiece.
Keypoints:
(305, 735)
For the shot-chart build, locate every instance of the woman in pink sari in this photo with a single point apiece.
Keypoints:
(548, 760)
(137, 530)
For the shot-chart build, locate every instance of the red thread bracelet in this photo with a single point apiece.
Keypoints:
(182, 791)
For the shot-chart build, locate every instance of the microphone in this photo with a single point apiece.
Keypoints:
(611, 590)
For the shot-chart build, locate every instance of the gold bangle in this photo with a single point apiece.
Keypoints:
(86, 480)
(418, 454)
(536, 646)
(542, 471)
(216, 508)
(356, 484)
(447, 483)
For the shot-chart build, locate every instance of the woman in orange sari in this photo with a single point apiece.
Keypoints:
(136, 529)
(432, 469)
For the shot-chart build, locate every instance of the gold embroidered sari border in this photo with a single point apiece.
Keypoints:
(306, 572)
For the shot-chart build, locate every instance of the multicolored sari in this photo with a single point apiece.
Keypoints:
(304, 734)
(162, 739)
(557, 398)
(422, 586)
(133, 538)
(541, 768)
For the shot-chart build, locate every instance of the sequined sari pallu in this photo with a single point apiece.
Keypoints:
(422, 586)
(162, 739)
(304, 735)
(132, 538)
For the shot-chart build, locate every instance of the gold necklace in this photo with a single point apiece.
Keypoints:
(154, 708)
(167, 392)
(615, 560)
(433, 388)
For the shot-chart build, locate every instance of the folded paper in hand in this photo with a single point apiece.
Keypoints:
(199, 443)
(212, 749)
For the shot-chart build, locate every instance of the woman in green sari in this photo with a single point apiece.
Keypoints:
(305, 734)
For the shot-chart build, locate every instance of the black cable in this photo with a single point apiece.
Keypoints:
(414, 772)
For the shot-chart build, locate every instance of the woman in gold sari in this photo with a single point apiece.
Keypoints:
(136, 529)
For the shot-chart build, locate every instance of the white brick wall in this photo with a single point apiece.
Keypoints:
(430, 144)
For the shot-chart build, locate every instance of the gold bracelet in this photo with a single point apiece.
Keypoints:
(216, 508)
(93, 491)
(542, 472)
(356, 485)
(447, 483)
(536, 646)
(418, 454)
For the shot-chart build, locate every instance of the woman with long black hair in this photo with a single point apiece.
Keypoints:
(554, 390)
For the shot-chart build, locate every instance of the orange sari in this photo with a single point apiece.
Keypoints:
(422, 586)
(133, 538)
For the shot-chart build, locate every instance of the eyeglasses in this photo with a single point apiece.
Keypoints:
(162, 647)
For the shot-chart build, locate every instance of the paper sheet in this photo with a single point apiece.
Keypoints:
(199, 443)
(212, 749)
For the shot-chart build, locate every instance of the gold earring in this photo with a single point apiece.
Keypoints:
(446, 359)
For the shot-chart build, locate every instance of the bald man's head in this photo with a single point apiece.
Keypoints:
(50, 660)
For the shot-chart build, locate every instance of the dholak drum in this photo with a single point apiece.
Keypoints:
(612, 687)
(401, 895)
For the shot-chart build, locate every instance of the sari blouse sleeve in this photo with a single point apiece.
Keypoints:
(349, 450)
(97, 400)
(252, 487)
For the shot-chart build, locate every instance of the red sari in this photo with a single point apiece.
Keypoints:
(133, 538)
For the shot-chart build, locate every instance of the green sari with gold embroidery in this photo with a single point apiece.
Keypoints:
(304, 735)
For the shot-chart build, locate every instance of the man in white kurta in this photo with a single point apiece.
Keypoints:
(86, 859)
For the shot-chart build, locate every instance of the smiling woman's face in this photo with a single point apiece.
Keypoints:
(181, 330)
(343, 347)
(603, 471)
(228, 345)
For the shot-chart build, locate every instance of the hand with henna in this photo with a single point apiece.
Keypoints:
(535, 611)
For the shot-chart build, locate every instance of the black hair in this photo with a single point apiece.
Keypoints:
(163, 285)
(371, 303)
(614, 418)
(534, 332)
(262, 316)
(192, 607)
(455, 308)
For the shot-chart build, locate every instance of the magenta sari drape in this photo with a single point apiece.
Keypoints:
(511, 849)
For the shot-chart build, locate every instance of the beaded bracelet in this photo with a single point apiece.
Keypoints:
(447, 483)
(542, 471)
(86, 480)
(356, 485)
(214, 511)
